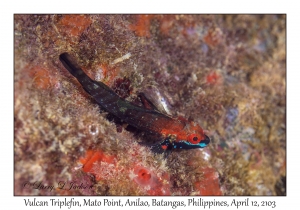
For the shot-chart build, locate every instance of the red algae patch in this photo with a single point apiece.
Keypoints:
(142, 25)
(213, 78)
(209, 185)
(213, 37)
(92, 157)
(75, 24)
(41, 77)
(100, 165)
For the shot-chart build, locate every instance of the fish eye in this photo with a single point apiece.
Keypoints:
(193, 138)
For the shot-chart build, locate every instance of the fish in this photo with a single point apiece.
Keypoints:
(175, 133)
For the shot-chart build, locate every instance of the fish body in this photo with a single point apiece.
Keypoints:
(176, 133)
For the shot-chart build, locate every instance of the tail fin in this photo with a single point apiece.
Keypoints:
(71, 65)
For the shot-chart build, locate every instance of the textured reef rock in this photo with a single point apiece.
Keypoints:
(225, 72)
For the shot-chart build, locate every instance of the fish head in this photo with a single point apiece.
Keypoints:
(193, 137)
